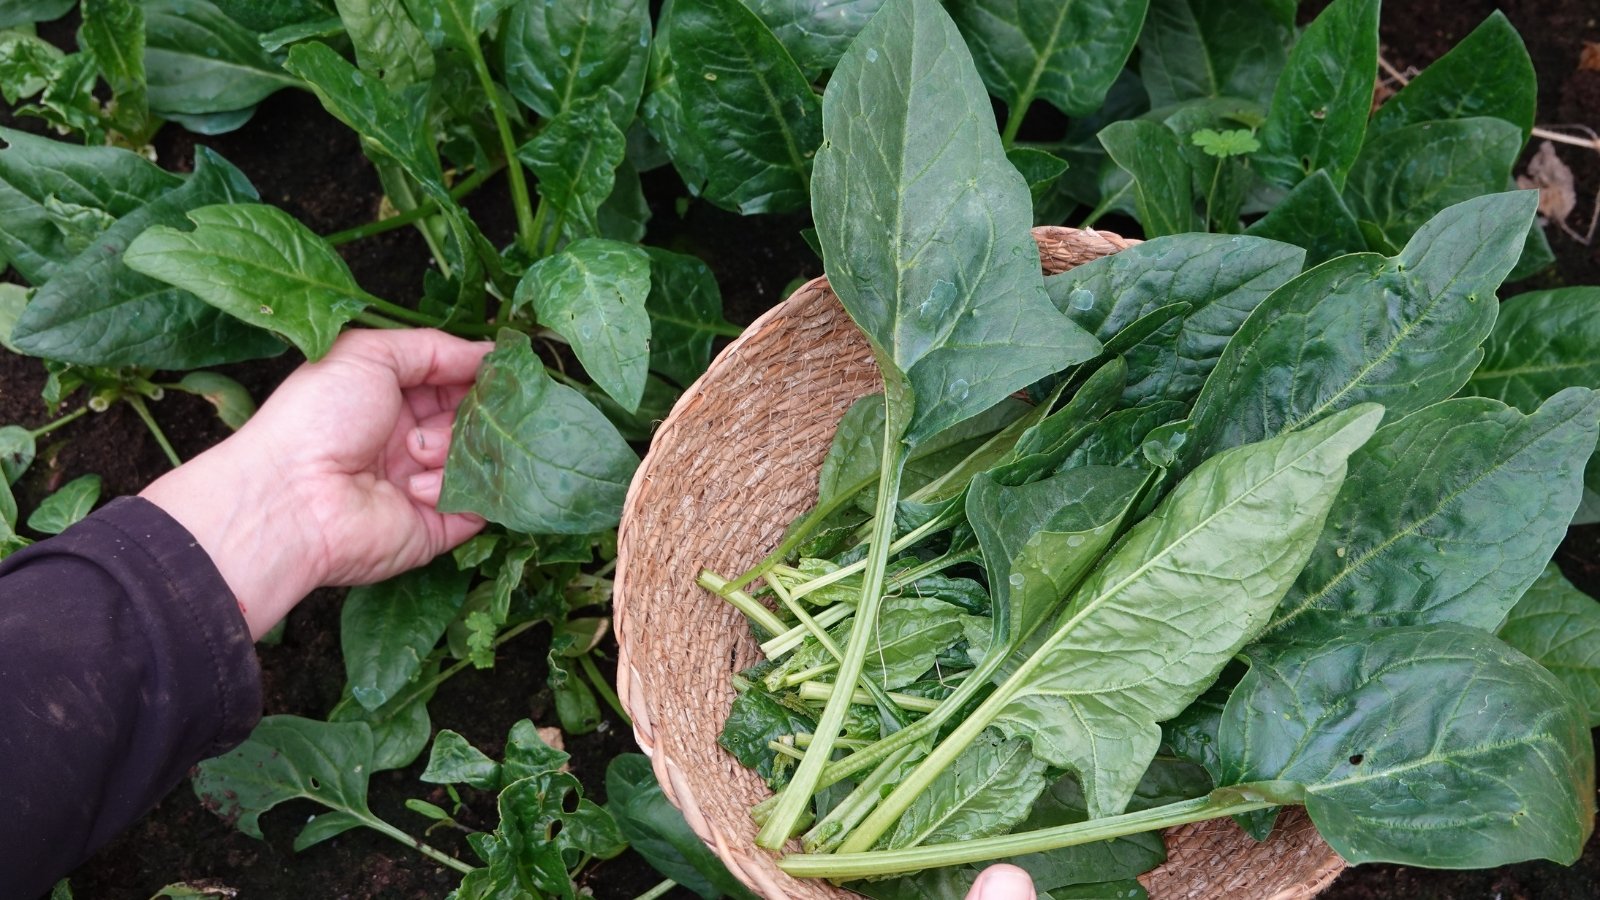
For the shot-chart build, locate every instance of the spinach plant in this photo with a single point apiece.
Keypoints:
(1047, 605)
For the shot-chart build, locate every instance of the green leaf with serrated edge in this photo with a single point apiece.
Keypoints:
(1315, 217)
(1322, 342)
(685, 307)
(656, 830)
(387, 43)
(1183, 592)
(1067, 54)
(532, 454)
(1487, 74)
(1118, 438)
(113, 30)
(751, 113)
(988, 789)
(593, 294)
(1411, 541)
(1191, 49)
(67, 506)
(231, 400)
(197, 60)
(1039, 540)
(575, 158)
(17, 449)
(815, 32)
(35, 171)
(98, 312)
(1223, 278)
(558, 55)
(387, 629)
(1162, 193)
(1224, 144)
(289, 758)
(1320, 105)
(967, 327)
(454, 761)
(25, 12)
(260, 265)
(1406, 176)
(1431, 745)
(1559, 626)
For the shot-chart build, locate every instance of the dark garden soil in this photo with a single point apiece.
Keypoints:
(308, 164)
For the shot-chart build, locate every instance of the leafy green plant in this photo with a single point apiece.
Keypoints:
(1203, 479)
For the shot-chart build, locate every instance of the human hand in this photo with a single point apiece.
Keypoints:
(335, 481)
(1002, 882)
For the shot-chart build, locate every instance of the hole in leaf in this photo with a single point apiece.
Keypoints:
(1356, 760)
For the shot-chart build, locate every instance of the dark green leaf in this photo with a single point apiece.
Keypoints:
(575, 158)
(388, 44)
(98, 312)
(656, 831)
(113, 30)
(1413, 540)
(67, 506)
(400, 728)
(1320, 343)
(13, 300)
(24, 12)
(1222, 278)
(532, 454)
(1118, 439)
(454, 761)
(1434, 745)
(746, 106)
(1487, 74)
(279, 38)
(638, 425)
(198, 60)
(1191, 49)
(907, 118)
(559, 55)
(1182, 593)
(212, 123)
(593, 294)
(1559, 626)
(266, 15)
(1313, 216)
(815, 32)
(1039, 169)
(1406, 176)
(17, 449)
(1542, 342)
(1320, 106)
(685, 308)
(625, 212)
(988, 789)
(1162, 193)
(663, 113)
(387, 629)
(1065, 53)
(756, 720)
(259, 264)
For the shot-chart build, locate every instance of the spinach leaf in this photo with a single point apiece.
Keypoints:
(385, 630)
(532, 454)
(815, 32)
(1378, 730)
(1118, 439)
(663, 112)
(755, 721)
(746, 106)
(24, 12)
(197, 60)
(1313, 216)
(656, 830)
(1542, 342)
(268, 15)
(593, 294)
(1162, 191)
(987, 790)
(575, 158)
(1406, 176)
(1041, 170)
(257, 263)
(1222, 278)
(559, 56)
(1191, 49)
(1320, 105)
(455, 761)
(388, 44)
(685, 308)
(113, 30)
(96, 311)
(67, 506)
(1487, 74)
(1559, 626)
(400, 728)
(1413, 540)
(1065, 53)
(1321, 343)
(17, 449)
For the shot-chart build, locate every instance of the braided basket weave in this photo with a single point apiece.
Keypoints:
(732, 465)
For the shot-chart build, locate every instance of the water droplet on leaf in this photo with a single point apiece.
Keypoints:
(1082, 298)
(872, 55)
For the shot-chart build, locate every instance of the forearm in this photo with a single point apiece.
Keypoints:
(123, 661)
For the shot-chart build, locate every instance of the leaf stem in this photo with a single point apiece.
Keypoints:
(759, 615)
(526, 236)
(821, 690)
(48, 427)
(415, 214)
(845, 866)
(382, 827)
(794, 637)
(1014, 115)
(658, 891)
(137, 402)
(909, 539)
(586, 662)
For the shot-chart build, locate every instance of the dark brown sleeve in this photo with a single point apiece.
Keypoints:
(124, 660)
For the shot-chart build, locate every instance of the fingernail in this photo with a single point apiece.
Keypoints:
(427, 438)
(426, 482)
(422, 439)
(1004, 883)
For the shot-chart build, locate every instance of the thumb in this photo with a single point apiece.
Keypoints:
(1002, 882)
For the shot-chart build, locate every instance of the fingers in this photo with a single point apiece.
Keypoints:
(417, 356)
(424, 487)
(429, 446)
(1002, 882)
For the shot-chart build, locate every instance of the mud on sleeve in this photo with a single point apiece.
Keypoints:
(124, 660)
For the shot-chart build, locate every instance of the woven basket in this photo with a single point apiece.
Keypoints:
(736, 461)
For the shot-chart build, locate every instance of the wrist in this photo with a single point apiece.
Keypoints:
(243, 516)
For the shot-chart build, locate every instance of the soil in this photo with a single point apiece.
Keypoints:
(305, 162)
